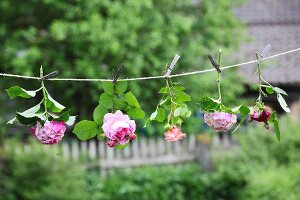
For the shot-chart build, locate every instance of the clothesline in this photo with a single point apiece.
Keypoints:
(151, 77)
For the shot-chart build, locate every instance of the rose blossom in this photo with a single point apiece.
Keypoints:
(220, 121)
(261, 116)
(51, 133)
(174, 134)
(118, 128)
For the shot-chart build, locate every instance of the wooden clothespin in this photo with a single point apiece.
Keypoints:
(117, 73)
(49, 76)
(214, 63)
(172, 65)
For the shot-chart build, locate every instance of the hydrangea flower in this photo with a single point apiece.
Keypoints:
(118, 128)
(220, 121)
(51, 133)
(174, 134)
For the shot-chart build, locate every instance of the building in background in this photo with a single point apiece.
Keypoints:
(275, 22)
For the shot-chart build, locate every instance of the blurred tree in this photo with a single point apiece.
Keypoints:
(89, 38)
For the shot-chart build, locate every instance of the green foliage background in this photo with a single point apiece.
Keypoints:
(87, 39)
(260, 168)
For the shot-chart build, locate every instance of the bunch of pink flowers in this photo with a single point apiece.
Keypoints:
(51, 133)
(220, 121)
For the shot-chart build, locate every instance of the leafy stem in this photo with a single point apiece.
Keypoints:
(44, 92)
(219, 77)
(171, 92)
(259, 99)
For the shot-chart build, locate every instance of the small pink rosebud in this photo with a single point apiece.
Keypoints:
(174, 134)
(111, 143)
(51, 133)
(133, 136)
(220, 121)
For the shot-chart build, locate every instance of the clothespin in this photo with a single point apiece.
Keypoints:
(214, 63)
(172, 65)
(265, 51)
(48, 76)
(117, 73)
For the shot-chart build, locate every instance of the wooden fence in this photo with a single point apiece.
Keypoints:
(143, 151)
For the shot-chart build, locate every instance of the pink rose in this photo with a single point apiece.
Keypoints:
(220, 121)
(51, 133)
(174, 134)
(261, 116)
(118, 128)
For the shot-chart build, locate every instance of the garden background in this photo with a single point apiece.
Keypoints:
(87, 39)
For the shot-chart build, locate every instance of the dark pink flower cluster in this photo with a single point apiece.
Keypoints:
(261, 116)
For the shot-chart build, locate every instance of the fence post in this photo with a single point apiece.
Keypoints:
(203, 152)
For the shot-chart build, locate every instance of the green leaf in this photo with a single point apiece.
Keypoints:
(119, 104)
(99, 113)
(161, 115)
(136, 113)
(179, 88)
(177, 112)
(207, 103)
(153, 115)
(121, 87)
(162, 102)
(131, 99)
(282, 103)
(64, 117)
(272, 117)
(164, 90)
(106, 100)
(71, 120)
(17, 91)
(269, 90)
(279, 90)
(182, 96)
(244, 110)
(120, 147)
(277, 129)
(12, 120)
(53, 105)
(108, 87)
(26, 120)
(86, 129)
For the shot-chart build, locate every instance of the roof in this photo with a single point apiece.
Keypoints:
(275, 22)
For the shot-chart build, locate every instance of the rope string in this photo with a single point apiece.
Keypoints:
(151, 77)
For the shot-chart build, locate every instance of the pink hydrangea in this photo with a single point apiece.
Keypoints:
(220, 121)
(51, 133)
(174, 134)
(118, 128)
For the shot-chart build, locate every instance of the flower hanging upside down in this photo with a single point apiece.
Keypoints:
(262, 116)
(118, 128)
(220, 121)
(174, 134)
(51, 133)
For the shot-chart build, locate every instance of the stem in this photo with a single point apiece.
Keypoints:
(44, 92)
(171, 92)
(259, 99)
(219, 77)
(115, 95)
